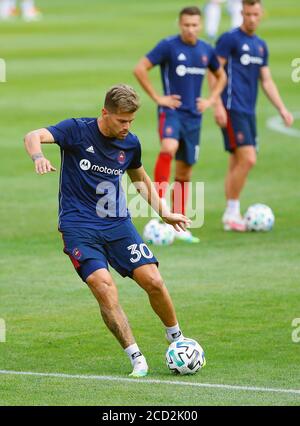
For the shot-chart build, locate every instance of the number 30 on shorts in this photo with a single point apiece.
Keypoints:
(137, 251)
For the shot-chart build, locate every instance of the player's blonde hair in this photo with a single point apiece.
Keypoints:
(121, 98)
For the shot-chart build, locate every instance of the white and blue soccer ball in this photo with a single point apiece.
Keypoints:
(259, 217)
(158, 233)
(185, 356)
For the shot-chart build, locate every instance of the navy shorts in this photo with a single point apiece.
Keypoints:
(122, 247)
(240, 130)
(184, 128)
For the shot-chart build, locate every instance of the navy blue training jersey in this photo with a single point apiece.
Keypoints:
(92, 166)
(245, 56)
(183, 67)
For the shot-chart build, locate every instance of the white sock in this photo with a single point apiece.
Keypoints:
(174, 333)
(233, 207)
(137, 359)
(212, 13)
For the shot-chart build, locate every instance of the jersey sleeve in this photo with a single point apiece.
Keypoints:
(214, 63)
(66, 133)
(136, 161)
(266, 56)
(159, 54)
(224, 45)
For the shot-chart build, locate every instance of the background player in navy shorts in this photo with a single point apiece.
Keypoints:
(93, 217)
(245, 57)
(183, 61)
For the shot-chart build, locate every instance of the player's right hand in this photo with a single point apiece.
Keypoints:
(170, 101)
(178, 221)
(42, 166)
(287, 117)
(220, 116)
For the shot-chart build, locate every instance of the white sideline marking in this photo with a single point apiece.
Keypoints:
(152, 381)
(276, 124)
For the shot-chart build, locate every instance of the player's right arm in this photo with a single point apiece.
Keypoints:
(33, 144)
(219, 110)
(141, 72)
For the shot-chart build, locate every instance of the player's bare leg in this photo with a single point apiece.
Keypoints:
(232, 161)
(105, 291)
(245, 160)
(183, 176)
(240, 164)
(149, 278)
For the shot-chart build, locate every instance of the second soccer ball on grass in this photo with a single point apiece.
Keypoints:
(158, 233)
(259, 217)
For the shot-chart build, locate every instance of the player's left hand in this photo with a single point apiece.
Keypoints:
(203, 104)
(287, 117)
(178, 221)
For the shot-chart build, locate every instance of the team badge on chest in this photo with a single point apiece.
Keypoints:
(204, 59)
(121, 157)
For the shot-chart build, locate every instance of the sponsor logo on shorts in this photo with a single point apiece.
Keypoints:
(240, 137)
(169, 131)
(76, 253)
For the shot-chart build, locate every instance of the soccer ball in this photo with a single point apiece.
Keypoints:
(158, 233)
(259, 217)
(185, 356)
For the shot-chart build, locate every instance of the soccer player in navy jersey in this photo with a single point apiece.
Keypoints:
(93, 218)
(183, 61)
(245, 58)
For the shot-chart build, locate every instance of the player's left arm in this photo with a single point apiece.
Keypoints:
(271, 90)
(146, 188)
(33, 142)
(220, 80)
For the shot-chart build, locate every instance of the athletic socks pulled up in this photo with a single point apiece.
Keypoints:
(138, 361)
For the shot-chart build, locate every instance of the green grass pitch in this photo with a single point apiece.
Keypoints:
(236, 294)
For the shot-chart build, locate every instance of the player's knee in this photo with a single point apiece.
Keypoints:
(169, 151)
(248, 162)
(183, 176)
(102, 287)
(154, 284)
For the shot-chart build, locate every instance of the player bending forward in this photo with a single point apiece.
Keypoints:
(95, 153)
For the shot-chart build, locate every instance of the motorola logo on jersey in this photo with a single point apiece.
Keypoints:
(246, 59)
(182, 70)
(87, 165)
